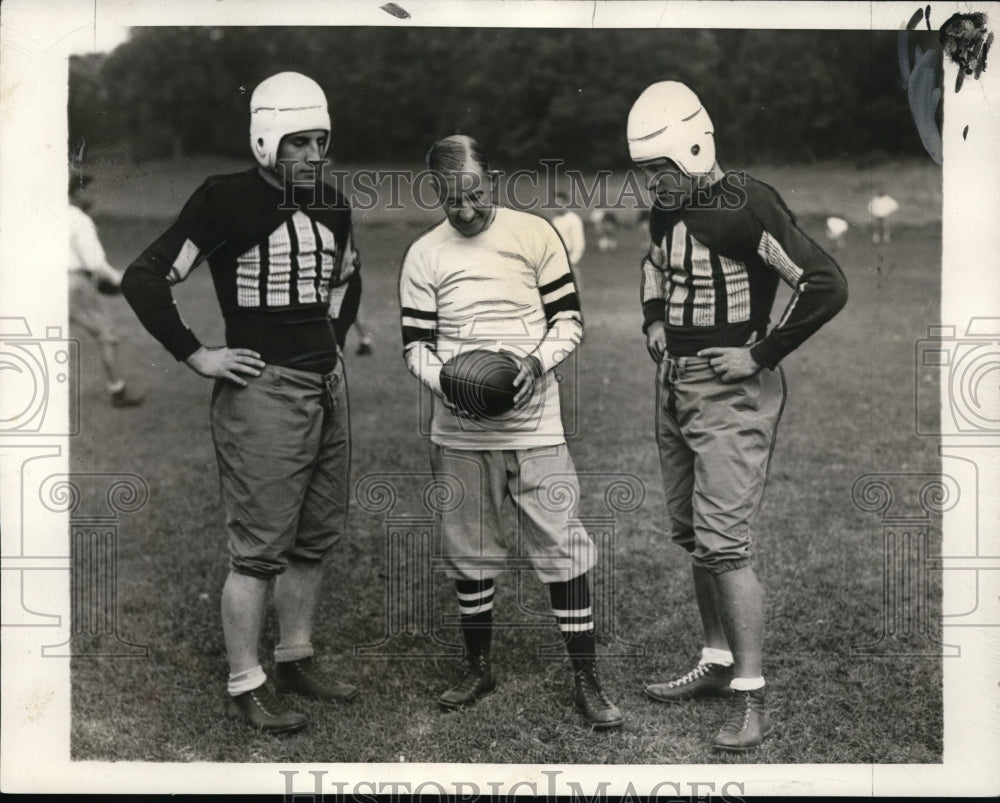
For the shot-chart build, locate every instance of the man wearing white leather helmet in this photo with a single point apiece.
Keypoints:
(278, 243)
(719, 243)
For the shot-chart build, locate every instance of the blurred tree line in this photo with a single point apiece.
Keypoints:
(527, 94)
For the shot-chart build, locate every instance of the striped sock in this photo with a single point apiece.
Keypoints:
(571, 605)
(475, 604)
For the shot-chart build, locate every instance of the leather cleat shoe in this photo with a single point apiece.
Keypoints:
(264, 710)
(592, 702)
(477, 681)
(747, 723)
(705, 680)
(303, 677)
(122, 398)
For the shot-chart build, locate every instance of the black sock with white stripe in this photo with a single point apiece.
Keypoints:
(571, 605)
(475, 604)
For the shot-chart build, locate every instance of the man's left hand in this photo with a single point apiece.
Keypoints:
(731, 364)
(530, 369)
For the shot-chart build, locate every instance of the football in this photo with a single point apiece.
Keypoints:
(480, 382)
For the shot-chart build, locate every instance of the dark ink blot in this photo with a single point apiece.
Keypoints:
(965, 132)
(966, 42)
(915, 19)
(396, 11)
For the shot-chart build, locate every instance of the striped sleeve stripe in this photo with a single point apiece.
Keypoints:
(418, 325)
(652, 281)
(770, 250)
(187, 258)
(789, 308)
(565, 289)
(563, 280)
(413, 312)
(413, 334)
(567, 303)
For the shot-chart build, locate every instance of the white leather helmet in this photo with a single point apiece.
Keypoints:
(284, 104)
(668, 120)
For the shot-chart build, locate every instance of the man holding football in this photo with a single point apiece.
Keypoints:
(496, 279)
(720, 242)
(278, 244)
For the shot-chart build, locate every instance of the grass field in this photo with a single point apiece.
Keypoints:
(850, 411)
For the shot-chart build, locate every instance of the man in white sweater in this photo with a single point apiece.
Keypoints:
(91, 277)
(488, 277)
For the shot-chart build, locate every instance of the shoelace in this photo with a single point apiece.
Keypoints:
(690, 677)
(473, 673)
(739, 713)
(267, 702)
(592, 689)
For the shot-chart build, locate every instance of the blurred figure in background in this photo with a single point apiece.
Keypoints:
(881, 206)
(90, 278)
(365, 346)
(836, 228)
(606, 225)
(570, 228)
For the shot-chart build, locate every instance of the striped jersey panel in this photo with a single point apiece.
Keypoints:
(293, 266)
(701, 287)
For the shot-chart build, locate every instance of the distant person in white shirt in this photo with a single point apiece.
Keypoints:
(880, 208)
(570, 227)
(606, 225)
(836, 228)
(365, 345)
(91, 277)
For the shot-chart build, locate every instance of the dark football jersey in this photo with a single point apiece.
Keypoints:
(712, 272)
(285, 270)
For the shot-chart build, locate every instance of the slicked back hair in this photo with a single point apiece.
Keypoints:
(451, 154)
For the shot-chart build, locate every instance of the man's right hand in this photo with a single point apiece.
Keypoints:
(226, 363)
(656, 340)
